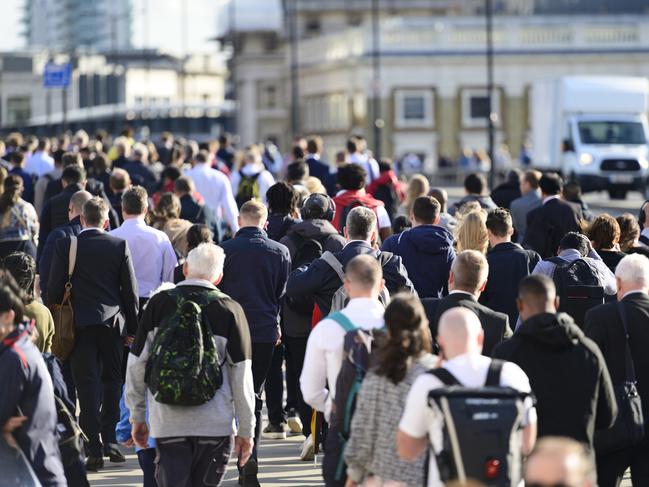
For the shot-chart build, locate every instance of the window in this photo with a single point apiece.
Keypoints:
(267, 96)
(475, 107)
(312, 26)
(19, 110)
(414, 108)
(327, 112)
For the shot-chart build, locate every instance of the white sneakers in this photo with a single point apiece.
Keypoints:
(307, 452)
(295, 425)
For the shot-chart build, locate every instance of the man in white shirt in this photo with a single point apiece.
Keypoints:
(460, 338)
(324, 351)
(215, 188)
(40, 162)
(153, 256)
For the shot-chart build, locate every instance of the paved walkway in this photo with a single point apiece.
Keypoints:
(279, 467)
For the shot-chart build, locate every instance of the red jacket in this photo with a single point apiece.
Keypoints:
(347, 198)
(386, 178)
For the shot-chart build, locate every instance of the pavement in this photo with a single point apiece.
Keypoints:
(279, 459)
(279, 466)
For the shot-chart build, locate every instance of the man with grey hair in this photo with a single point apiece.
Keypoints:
(194, 442)
(321, 280)
(621, 329)
(105, 304)
(72, 228)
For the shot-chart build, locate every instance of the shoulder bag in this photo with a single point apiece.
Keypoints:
(628, 429)
(63, 314)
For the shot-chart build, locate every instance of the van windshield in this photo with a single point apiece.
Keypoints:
(607, 133)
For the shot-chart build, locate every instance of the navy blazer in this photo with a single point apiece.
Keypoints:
(73, 227)
(104, 272)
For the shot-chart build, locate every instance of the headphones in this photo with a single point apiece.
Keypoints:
(642, 215)
(330, 212)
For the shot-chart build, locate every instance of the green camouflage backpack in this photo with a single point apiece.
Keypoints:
(248, 188)
(184, 368)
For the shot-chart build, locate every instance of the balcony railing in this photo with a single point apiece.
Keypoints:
(467, 35)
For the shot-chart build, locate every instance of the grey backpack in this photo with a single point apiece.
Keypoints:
(340, 297)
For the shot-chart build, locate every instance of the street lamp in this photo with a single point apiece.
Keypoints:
(491, 116)
(295, 88)
(378, 122)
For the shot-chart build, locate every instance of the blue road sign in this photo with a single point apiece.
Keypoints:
(56, 75)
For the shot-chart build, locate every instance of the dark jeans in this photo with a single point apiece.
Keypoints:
(333, 452)
(96, 367)
(295, 350)
(274, 388)
(192, 461)
(146, 458)
(262, 356)
(611, 468)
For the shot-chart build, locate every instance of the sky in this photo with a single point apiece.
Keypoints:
(204, 19)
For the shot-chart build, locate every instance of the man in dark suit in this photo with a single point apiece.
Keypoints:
(55, 210)
(467, 280)
(547, 224)
(317, 168)
(508, 264)
(73, 227)
(139, 170)
(605, 327)
(320, 281)
(105, 304)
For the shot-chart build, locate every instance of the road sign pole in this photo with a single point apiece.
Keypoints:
(64, 108)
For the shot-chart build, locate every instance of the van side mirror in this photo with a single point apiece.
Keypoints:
(567, 146)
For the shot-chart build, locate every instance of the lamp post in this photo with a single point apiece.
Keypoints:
(295, 88)
(378, 122)
(491, 116)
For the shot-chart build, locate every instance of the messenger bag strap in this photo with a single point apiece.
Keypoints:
(628, 359)
(444, 376)
(335, 264)
(72, 258)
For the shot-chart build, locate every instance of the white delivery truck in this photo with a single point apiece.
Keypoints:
(592, 129)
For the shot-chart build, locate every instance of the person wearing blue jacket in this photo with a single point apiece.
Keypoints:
(426, 249)
(255, 273)
(27, 410)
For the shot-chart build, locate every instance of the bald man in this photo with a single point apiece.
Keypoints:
(560, 461)
(460, 337)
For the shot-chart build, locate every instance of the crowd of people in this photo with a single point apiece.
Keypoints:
(155, 295)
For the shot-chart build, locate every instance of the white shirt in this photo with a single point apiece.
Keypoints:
(549, 198)
(40, 163)
(154, 259)
(215, 188)
(265, 179)
(419, 419)
(324, 352)
(369, 164)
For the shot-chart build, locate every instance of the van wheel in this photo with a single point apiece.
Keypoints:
(617, 194)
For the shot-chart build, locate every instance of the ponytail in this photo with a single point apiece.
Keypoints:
(408, 337)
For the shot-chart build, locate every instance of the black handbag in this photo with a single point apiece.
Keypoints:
(628, 429)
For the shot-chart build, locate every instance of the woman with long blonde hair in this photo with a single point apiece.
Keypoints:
(417, 186)
(472, 232)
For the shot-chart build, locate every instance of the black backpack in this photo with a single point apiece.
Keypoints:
(184, 368)
(345, 211)
(248, 188)
(388, 195)
(483, 433)
(357, 351)
(306, 251)
(578, 287)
